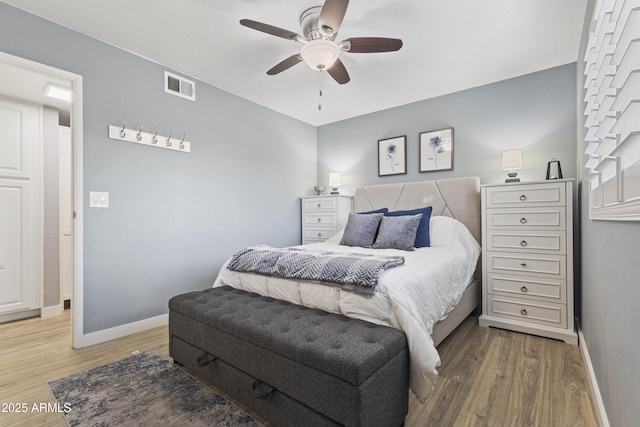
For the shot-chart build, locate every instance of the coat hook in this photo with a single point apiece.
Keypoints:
(169, 139)
(139, 134)
(154, 138)
(182, 142)
(122, 132)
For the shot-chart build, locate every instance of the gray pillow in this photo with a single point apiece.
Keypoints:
(398, 232)
(361, 229)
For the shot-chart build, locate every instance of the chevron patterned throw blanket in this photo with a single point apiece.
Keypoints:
(349, 271)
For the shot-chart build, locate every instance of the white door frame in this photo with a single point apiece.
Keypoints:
(77, 313)
(65, 212)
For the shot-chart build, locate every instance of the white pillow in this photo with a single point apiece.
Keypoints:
(445, 231)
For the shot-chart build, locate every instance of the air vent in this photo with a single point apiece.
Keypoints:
(179, 86)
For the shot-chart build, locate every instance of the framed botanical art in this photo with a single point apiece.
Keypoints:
(436, 150)
(392, 156)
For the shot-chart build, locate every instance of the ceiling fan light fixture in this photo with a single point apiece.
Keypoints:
(320, 54)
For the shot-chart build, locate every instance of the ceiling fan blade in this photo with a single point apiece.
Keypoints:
(285, 65)
(270, 29)
(331, 16)
(339, 72)
(371, 44)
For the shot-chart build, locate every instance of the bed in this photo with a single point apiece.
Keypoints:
(427, 297)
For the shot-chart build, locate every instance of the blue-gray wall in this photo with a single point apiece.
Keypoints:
(173, 217)
(610, 290)
(535, 113)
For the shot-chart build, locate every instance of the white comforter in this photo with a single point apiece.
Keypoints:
(412, 297)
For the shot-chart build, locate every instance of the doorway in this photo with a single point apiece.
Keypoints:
(25, 81)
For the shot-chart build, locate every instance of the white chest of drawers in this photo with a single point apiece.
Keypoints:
(324, 216)
(527, 262)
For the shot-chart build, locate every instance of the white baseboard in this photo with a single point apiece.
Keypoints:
(19, 315)
(602, 413)
(121, 331)
(51, 311)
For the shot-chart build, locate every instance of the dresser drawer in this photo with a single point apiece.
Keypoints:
(552, 241)
(552, 218)
(548, 194)
(319, 204)
(318, 234)
(527, 286)
(544, 313)
(528, 263)
(328, 218)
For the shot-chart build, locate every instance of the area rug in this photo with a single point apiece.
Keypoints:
(144, 389)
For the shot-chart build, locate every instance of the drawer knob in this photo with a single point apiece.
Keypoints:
(524, 289)
(523, 197)
(319, 205)
(524, 264)
(523, 243)
(319, 234)
(523, 312)
(523, 220)
(319, 219)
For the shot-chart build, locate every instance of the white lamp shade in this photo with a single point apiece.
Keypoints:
(334, 179)
(512, 160)
(320, 54)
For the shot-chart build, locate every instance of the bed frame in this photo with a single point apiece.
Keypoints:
(458, 198)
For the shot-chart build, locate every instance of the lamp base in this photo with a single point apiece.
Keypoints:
(334, 190)
(512, 177)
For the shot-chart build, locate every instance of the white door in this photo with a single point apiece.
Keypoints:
(20, 207)
(66, 213)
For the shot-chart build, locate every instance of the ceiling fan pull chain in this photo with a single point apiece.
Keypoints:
(320, 91)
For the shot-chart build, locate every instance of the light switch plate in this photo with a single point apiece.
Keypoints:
(98, 199)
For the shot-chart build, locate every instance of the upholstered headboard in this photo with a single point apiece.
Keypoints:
(455, 197)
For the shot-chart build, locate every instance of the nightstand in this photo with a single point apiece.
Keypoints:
(527, 261)
(324, 216)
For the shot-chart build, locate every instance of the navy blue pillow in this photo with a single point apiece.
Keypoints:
(381, 210)
(422, 236)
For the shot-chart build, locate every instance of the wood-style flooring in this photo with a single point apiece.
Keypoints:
(493, 377)
(488, 377)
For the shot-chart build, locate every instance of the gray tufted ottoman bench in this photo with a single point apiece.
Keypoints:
(293, 365)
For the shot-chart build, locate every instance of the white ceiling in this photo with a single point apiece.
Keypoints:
(448, 46)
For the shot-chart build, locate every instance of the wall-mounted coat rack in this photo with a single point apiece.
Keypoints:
(122, 133)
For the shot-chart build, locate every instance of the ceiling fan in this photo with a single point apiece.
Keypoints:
(320, 25)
